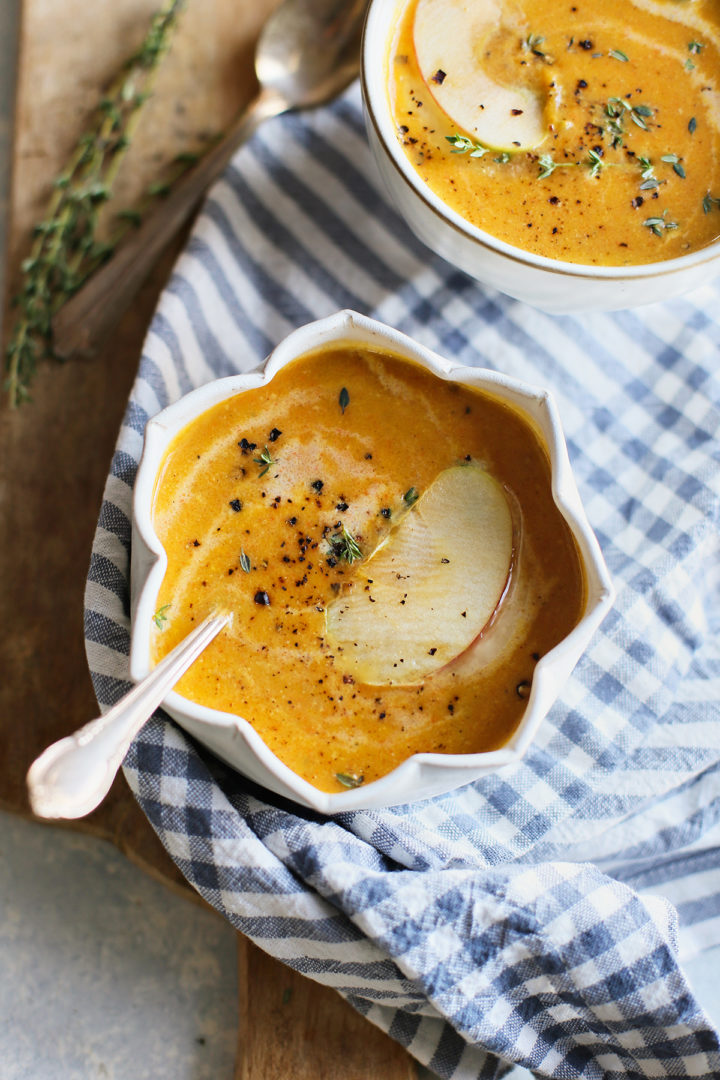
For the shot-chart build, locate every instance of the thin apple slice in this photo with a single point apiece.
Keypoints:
(449, 36)
(431, 587)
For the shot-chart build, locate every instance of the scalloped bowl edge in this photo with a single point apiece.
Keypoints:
(233, 739)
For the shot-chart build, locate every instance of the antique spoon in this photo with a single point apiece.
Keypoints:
(307, 53)
(74, 775)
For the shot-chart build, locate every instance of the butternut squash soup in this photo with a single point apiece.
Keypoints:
(391, 554)
(587, 132)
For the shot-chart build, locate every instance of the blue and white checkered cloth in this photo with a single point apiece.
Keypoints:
(540, 915)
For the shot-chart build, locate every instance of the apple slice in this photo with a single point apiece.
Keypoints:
(432, 585)
(449, 37)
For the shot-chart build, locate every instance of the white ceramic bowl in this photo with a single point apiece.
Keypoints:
(549, 284)
(231, 737)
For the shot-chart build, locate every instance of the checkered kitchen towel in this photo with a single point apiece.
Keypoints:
(538, 915)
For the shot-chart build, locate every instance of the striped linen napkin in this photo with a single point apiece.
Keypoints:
(540, 915)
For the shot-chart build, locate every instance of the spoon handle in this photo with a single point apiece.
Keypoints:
(74, 775)
(81, 324)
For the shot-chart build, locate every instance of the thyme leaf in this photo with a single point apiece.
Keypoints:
(411, 496)
(674, 160)
(350, 780)
(618, 55)
(710, 202)
(343, 400)
(244, 561)
(462, 144)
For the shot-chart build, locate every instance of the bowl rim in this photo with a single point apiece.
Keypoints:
(348, 326)
(374, 87)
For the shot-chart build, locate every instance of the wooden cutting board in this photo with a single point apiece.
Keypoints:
(55, 453)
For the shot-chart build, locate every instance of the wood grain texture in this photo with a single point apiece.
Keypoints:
(309, 1031)
(55, 454)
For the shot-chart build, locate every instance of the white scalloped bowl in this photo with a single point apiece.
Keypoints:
(549, 284)
(232, 738)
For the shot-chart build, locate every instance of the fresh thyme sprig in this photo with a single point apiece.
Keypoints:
(65, 249)
(160, 617)
(660, 225)
(344, 546)
(532, 45)
(265, 461)
(710, 202)
(647, 172)
(617, 109)
(461, 144)
(548, 165)
(594, 162)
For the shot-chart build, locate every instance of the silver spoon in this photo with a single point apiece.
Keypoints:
(74, 775)
(307, 53)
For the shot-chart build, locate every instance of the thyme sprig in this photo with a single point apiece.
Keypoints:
(265, 461)
(710, 202)
(461, 145)
(594, 162)
(532, 45)
(160, 617)
(344, 546)
(65, 249)
(617, 110)
(647, 172)
(548, 165)
(660, 225)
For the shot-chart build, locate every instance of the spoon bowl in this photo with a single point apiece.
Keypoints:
(73, 776)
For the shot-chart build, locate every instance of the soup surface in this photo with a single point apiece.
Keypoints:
(587, 131)
(254, 503)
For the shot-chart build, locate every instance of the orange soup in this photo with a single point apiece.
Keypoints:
(286, 504)
(587, 132)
